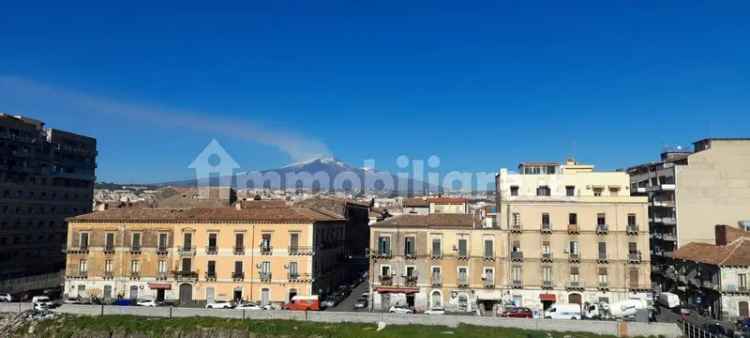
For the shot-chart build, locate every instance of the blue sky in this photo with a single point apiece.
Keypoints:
(483, 85)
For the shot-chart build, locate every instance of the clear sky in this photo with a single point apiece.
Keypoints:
(482, 85)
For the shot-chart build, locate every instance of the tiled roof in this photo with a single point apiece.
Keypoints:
(447, 200)
(736, 253)
(416, 203)
(331, 204)
(430, 221)
(209, 215)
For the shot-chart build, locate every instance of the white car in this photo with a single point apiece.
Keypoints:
(330, 302)
(42, 301)
(6, 297)
(249, 307)
(219, 304)
(435, 311)
(147, 303)
(400, 309)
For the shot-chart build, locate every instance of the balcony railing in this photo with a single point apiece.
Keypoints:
(463, 255)
(211, 250)
(632, 229)
(573, 228)
(211, 276)
(603, 286)
(383, 254)
(463, 282)
(410, 255)
(437, 280)
(574, 257)
(516, 228)
(83, 250)
(547, 284)
(489, 256)
(516, 256)
(265, 276)
(547, 257)
(634, 257)
(162, 276)
(135, 275)
(602, 229)
(489, 282)
(109, 250)
(186, 250)
(300, 250)
(182, 275)
(239, 250)
(386, 280)
(411, 281)
(602, 258)
(546, 229)
(238, 276)
(135, 250)
(108, 275)
(266, 250)
(436, 255)
(574, 285)
(517, 284)
(162, 251)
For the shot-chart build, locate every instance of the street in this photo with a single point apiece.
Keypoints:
(347, 305)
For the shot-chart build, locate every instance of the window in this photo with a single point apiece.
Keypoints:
(573, 246)
(614, 191)
(135, 244)
(602, 275)
(435, 273)
(83, 266)
(385, 271)
(489, 251)
(212, 241)
(547, 274)
(265, 242)
(84, 243)
(187, 241)
(162, 266)
(463, 275)
(162, 241)
(384, 245)
(409, 246)
(543, 191)
(489, 275)
(437, 249)
(186, 264)
(598, 191)
(293, 269)
(515, 273)
(463, 250)
(601, 219)
(239, 241)
(632, 248)
(631, 220)
(516, 219)
(574, 276)
(109, 241)
(514, 190)
(573, 219)
(634, 278)
(265, 268)
(293, 241)
(135, 266)
(211, 269)
(108, 266)
(411, 271)
(570, 190)
(546, 249)
(516, 246)
(545, 220)
(742, 281)
(602, 250)
(238, 267)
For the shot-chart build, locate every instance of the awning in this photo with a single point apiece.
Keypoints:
(546, 297)
(397, 290)
(162, 286)
(489, 295)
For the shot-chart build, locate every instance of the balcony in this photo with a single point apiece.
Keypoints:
(135, 250)
(135, 276)
(437, 281)
(266, 250)
(210, 276)
(516, 284)
(239, 250)
(573, 229)
(84, 250)
(437, 255)
(546, 229)
(265, 277)
(574, 285)
(212, 250)
(109, 250)
(162, 276)
(516, 228)
(410, 255)
(669, 237)
(489, 256)
(79, 275)
(238, 276)
(574, 257)
(602, 229)
(634, 257)
(463, 282)
(632, 229)
(410, 281)
(186, 250)
(547, 285)
(602, 259)
(603, 286)
(300, 251)
(383, 254)
(386, 280)
(108, 275)
(463, 255)
(297, 277)
(547, 257)
(186, 276)
(162, 251)
(516, 256)
(489, 282)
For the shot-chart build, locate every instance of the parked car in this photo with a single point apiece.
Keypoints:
(400, 309)
(42, 301)
(219, 304)
(361, 303)
(147, 303)
(6, 297)
(328, 302)
(517, 312)
(303, 303)
(717, 329)
(435, 311)
(563, 311)
(249, 307)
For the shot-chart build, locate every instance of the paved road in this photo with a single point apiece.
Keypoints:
(347, 305)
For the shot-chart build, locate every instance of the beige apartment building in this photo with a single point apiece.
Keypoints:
(265, 254)
(573, 235)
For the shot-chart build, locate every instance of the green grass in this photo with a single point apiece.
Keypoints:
(71, 326)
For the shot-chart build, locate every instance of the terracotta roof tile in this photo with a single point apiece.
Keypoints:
(447, 200)
(430, 221)
(213, 215)
(416, 203)
(735, 253)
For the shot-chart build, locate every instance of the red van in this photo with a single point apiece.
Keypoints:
(303, 303)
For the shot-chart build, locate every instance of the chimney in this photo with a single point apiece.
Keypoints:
(720, 232)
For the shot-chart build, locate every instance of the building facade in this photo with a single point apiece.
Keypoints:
(193, 256)
(46, 175)
(689, 192)
(573, 235)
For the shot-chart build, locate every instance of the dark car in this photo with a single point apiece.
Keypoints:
(518, 312)
(717, 329)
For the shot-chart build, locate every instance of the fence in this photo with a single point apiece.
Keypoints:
(666, 330)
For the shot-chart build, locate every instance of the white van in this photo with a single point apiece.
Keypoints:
(563, 311)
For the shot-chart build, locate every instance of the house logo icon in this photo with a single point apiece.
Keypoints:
(213, 162)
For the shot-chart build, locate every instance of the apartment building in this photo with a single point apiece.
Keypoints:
(437, 260)
(573, 235)
(714, 277)
(258, 254)
(689, 192)
(435, 205)
(46, 175)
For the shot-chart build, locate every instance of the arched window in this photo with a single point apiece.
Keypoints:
(436, 299)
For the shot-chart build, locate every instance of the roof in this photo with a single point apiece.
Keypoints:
(331, 204)
(415, 203)
(447, 200)
(429, 221)
(209, 215)
(736, 253)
